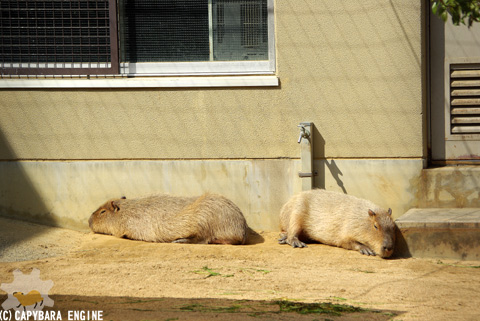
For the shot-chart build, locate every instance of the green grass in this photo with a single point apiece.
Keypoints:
(210, 272)
(460, 265)
(138, 301)
(317, 308)
(268, 308)
(252, 271)
(202, 308)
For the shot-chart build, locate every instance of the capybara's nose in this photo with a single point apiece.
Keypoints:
(387, 251)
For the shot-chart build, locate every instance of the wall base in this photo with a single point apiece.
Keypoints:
(65, 193)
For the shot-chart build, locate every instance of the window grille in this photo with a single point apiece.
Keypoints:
(48, 37)
(164, 31)
(241, 27)
(251, 24)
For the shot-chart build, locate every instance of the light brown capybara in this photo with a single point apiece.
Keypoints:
(209, 218)
(337, 219)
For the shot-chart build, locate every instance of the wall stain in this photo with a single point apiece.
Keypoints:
(454, 188)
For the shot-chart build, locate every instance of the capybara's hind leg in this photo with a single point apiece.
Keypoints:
(293, 231)
(294, 241)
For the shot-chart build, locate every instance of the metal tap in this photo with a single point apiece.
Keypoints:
(303, 133)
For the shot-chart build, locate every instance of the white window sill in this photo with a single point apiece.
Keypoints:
(141, 82)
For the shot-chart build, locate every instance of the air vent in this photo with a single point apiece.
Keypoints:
(465, 99)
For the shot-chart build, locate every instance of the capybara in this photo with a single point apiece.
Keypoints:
(337, 219)
(209, 218)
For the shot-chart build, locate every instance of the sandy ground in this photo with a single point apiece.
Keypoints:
(131, 280)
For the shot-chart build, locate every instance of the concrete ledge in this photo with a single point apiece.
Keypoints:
(143, 82)
(440, 233)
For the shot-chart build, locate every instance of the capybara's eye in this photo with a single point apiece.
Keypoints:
(376, 227)
(102, 211)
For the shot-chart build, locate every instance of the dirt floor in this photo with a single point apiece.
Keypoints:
(131, 280)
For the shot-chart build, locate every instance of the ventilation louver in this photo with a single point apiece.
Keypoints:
(465, 99)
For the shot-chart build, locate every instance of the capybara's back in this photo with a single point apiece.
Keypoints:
(218, 220)
(337, 219)
(209, 218)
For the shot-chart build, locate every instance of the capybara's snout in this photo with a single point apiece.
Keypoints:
(387, 246)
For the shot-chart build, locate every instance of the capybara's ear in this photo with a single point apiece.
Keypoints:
(371, 213)
(115, 207)
(389, 212)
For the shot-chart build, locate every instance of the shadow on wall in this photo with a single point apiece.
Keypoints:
(324, 164)
(18, 196)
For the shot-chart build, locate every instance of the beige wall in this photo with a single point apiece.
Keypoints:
(351, 67)
(354, 68)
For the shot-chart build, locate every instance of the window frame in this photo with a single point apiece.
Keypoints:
(253, 67)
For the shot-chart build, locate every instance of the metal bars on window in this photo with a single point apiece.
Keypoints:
(52, 37)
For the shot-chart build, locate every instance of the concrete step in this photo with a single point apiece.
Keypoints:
(449, 233)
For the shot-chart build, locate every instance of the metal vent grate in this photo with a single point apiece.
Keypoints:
(465, 99)
(49, 37)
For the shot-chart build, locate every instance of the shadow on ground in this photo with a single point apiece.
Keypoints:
(24, 241)
(131, 308)
(19, 198)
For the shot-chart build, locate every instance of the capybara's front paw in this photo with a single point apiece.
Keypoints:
(365, 250)
(283, 238)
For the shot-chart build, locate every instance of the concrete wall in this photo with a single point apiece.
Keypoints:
(66, 193)
(354, 68)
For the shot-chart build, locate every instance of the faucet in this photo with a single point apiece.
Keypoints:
(303, 133)
(307, 173)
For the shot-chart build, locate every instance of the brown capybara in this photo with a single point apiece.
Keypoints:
(337, 219)
(209, 218)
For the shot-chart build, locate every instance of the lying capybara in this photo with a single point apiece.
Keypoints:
(337, 219)
(209, 218)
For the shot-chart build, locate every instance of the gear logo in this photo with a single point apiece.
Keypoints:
(27, 292)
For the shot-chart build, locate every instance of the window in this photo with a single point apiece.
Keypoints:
(150, 37)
